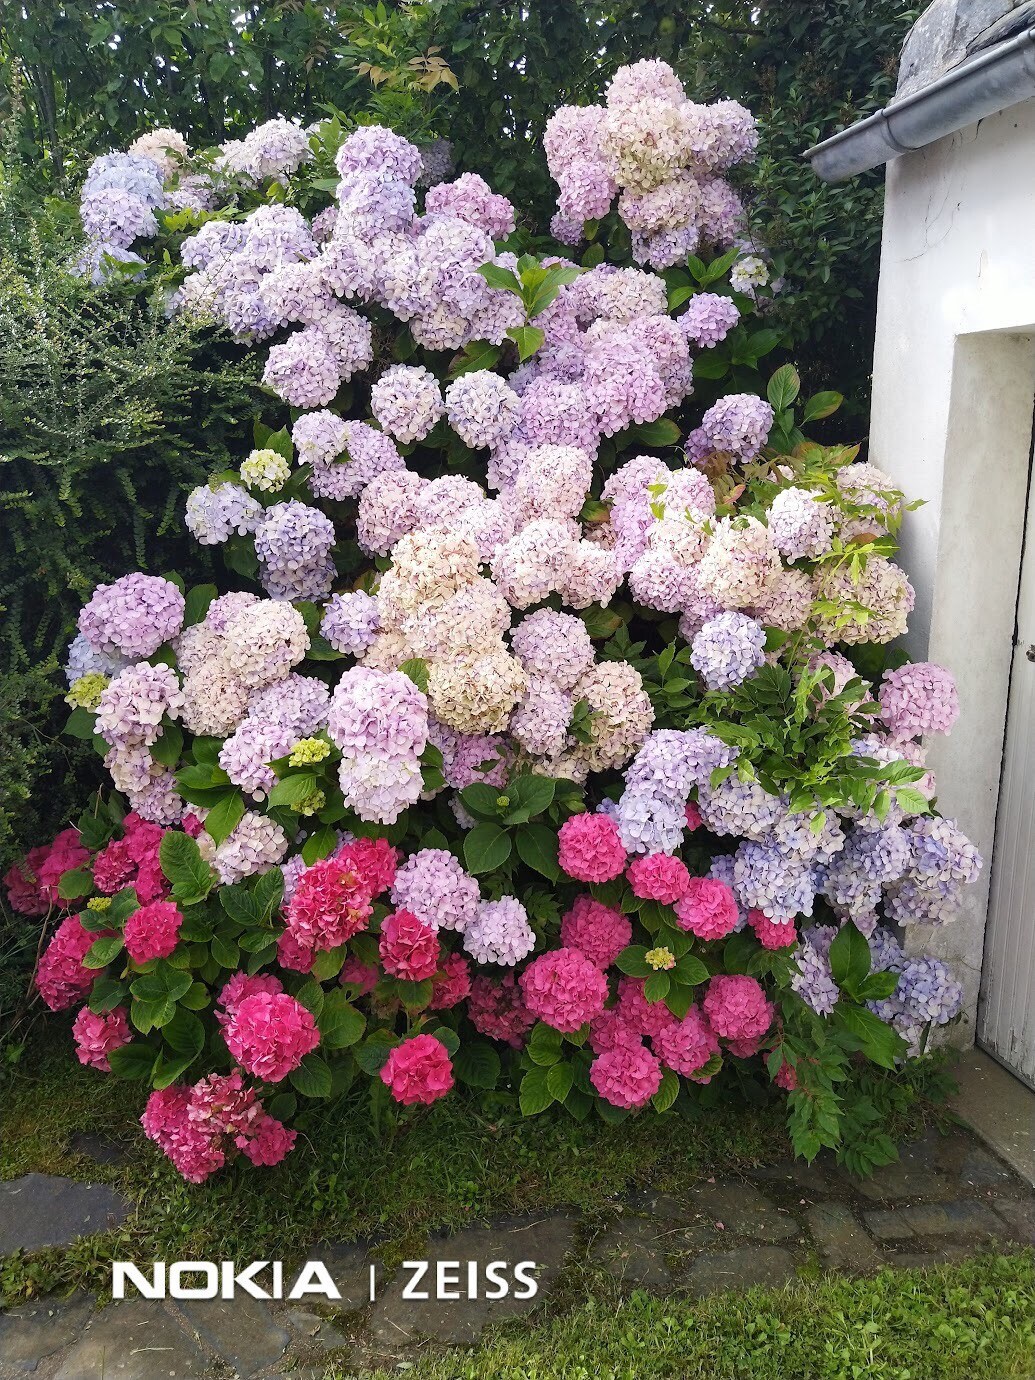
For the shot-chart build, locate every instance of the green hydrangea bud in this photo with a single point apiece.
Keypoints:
(85, 692)
(266, 470)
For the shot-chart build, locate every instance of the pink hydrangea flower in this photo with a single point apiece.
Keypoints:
(23, 885)
(153, 931)
(643, 1016)
(330, 903)
(496, 1009)
(598, 932)
(564, 989)
(270, 1140)
(609, 1029)
(241, 986)
(708, 909)
(786, 1077)
(409, 947)
(658, 877)
(192, 1149)
(771, 935)
(61, 978)
(919, 698)
(293, 955)
(452, 984)
(418, 1070)
(96, 1034)
(736, 1008)
(64, 855)
(686, 1046)
(693, 816)
(270, 1034)
(626, 1076)
(590, 849)
(356, 973)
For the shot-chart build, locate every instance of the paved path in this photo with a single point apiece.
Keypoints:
(946, 1198)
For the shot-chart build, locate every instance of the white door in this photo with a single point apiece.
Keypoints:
(1006, 1015)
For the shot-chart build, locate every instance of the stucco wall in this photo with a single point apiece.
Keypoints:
(953, 393)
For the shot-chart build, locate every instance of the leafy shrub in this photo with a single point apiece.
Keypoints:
(375, 828)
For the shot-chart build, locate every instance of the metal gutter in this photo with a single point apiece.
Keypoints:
(982, 86)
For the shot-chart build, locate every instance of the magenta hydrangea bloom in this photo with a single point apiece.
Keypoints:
(590, 849)
(919, 698)
(707, 908)
(418, 1071)
(658, 877)
(564, 989)
(640, 1015)
(153, 931)
(409, 948)
(626, 1075)
(736, 1008)
(96, 1034)
(269, 1034)
(687, 1045)
(598, 932)
(769, 933)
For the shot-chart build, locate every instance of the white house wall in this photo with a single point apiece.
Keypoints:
(953, 396)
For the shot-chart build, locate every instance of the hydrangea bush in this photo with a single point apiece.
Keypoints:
(541, 742)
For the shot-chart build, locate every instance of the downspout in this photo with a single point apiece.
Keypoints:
(983, 86)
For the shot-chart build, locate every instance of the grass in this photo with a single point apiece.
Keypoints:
(974, 1321)
(346, 1180)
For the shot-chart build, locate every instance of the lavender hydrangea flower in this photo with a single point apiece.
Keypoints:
(379, 720)
(213, 515)
(351, 622)
(708, 319)
(728, 650)
(293, 544)
(407, 401)
(432, 885)
(918, 698)
(799, 525)
(133, 615)
(738, 424)
(481, 407)
(813, 980)
(499, 933)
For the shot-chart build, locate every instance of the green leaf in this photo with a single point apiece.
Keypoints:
(196, 997)
(169, 746)
(821, 405)
(133, 1062)
(482, 800)
(375, 1049)
(339, 1023)
(559, 1080)
(328, 963)
(667, 1092)
(783, 387)
(691, 971)
(240, 905)
(537, 847)
(659, 434)
(486, 848)
(102, 951)
(293, 790)
(185, 1034)
(478, 355)
(80, 724)
(477, 1064)
(312, 1078)
(224, 817)
(268, 891)
(106, 993)
(528, 339)
(545, 1046)
(417, 671)
(225, 952)
(534, 1095)
(184, 867)
(76, 882)
(633, 962)
(320, 844)
(500, 278)
(656, 987)
(529, 796)
(878, 1041)
(196, 604)
(849, 958)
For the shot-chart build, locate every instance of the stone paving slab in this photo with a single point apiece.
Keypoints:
(134, 1340)
(47, 1210)
(241, 1331)
(949, 1197)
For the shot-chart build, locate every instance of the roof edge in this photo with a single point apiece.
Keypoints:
(986, 84)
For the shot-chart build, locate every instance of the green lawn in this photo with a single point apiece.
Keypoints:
(346, 1179)
(974, 1321)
